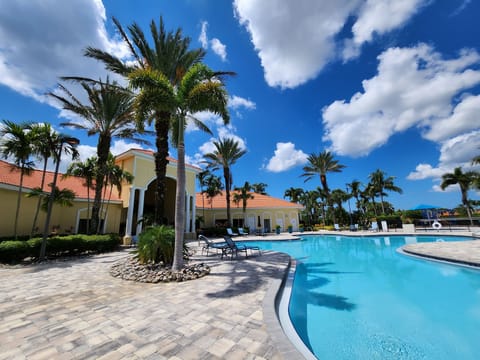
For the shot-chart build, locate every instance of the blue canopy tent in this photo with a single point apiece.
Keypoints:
(428, 211)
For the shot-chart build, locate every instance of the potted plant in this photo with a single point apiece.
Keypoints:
(278, 227)
(301, 228)
(290, 228)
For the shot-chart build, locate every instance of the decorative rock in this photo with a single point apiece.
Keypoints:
(131, 269)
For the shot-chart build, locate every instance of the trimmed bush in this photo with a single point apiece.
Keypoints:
(16, 251)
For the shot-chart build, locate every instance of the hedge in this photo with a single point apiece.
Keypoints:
(16, 251)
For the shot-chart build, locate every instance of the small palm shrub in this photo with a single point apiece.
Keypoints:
(156, 244)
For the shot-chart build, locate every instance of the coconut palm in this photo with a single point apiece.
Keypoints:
(199, 89)
(63, 144)
(355, 191)
(62, 197)
(243, 194)
(259, 188)
(43, 138)
(381, 183)
(227, 152)
(214, 187)
(16, 143)
(465, 181)
(294, 194)
(86, 170)
(170, 55)
(321, 164)
(108, 114)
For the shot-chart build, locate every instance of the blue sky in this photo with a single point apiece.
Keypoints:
(391, 85)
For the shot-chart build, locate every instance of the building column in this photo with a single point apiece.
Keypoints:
(194, 215)
(141, 200)
(187, 212)
(131, 205)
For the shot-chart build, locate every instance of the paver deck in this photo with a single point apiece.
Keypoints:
(465, 252)
(76, 310)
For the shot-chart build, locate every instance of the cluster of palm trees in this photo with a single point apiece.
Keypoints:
(23, 142)
(324, 205)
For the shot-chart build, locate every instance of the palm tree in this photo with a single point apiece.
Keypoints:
(214, 187)
(199, 89)
(355, 192)
(43, 139)
(464, 180)
(62, 144)
(294, 194)
(86, 170)
(322, 164)
(108, 114)
(16, 142)
(243, 194)
(259, 188)
(380, 183)
(202, 180)
(63, 197)
(170, 56)
(227, 152)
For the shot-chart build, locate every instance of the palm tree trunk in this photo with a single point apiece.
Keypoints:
(161, 161)
(103, 148)
(43, 247)
(40, 198)
(381, 202)
(226, 175)
(467, 207)
(179, 209)
(19, 199)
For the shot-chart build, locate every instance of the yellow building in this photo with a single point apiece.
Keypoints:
(263, 212)
(124, 209)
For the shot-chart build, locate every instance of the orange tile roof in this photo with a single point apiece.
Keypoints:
(10, 175)
(258, 202)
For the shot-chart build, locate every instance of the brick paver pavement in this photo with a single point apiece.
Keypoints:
(76, 310)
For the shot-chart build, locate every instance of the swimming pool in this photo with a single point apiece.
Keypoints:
(357, 298)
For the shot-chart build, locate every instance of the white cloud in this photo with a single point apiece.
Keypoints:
(296, 39)
(41, 40)
(421, 97)
(203, 35)
(219, 48)
(236, 102)
(215, 44)
(285, 157)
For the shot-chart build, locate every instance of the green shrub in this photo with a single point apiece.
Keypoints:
(16, 251)
(156, 244)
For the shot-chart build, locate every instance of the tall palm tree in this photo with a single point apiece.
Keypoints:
(464, 180)
(202, 180)
(243, 194)
(108, 114)
(294, 194)
(63, 144)
(381, 183)
(227, 152)
(259, 188)
(214, 187)
(169, 55)
(16, 142)
(355, 191)
(199, 89)
(321, 164)
(86, 170)
(43, 138)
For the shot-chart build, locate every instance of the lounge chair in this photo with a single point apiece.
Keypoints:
(234, 248)
(230, 232)
(374, 226)
(242, 232)
(209, 244)
(336, 227)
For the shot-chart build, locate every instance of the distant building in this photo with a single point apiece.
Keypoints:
(263, 212)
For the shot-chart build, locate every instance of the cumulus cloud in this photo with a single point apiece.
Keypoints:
(219, 48)
(37, 45)
(286, 157)
(421, 97)
(215, 44)
(237, 102)
(296, 39)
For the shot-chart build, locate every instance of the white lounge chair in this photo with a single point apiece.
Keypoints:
(230, 232)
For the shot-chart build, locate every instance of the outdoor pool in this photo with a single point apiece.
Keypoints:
(357, 298)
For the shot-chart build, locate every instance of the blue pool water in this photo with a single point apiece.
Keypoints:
(357, 298)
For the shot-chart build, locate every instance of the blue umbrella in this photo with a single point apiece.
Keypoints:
(425, 207)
